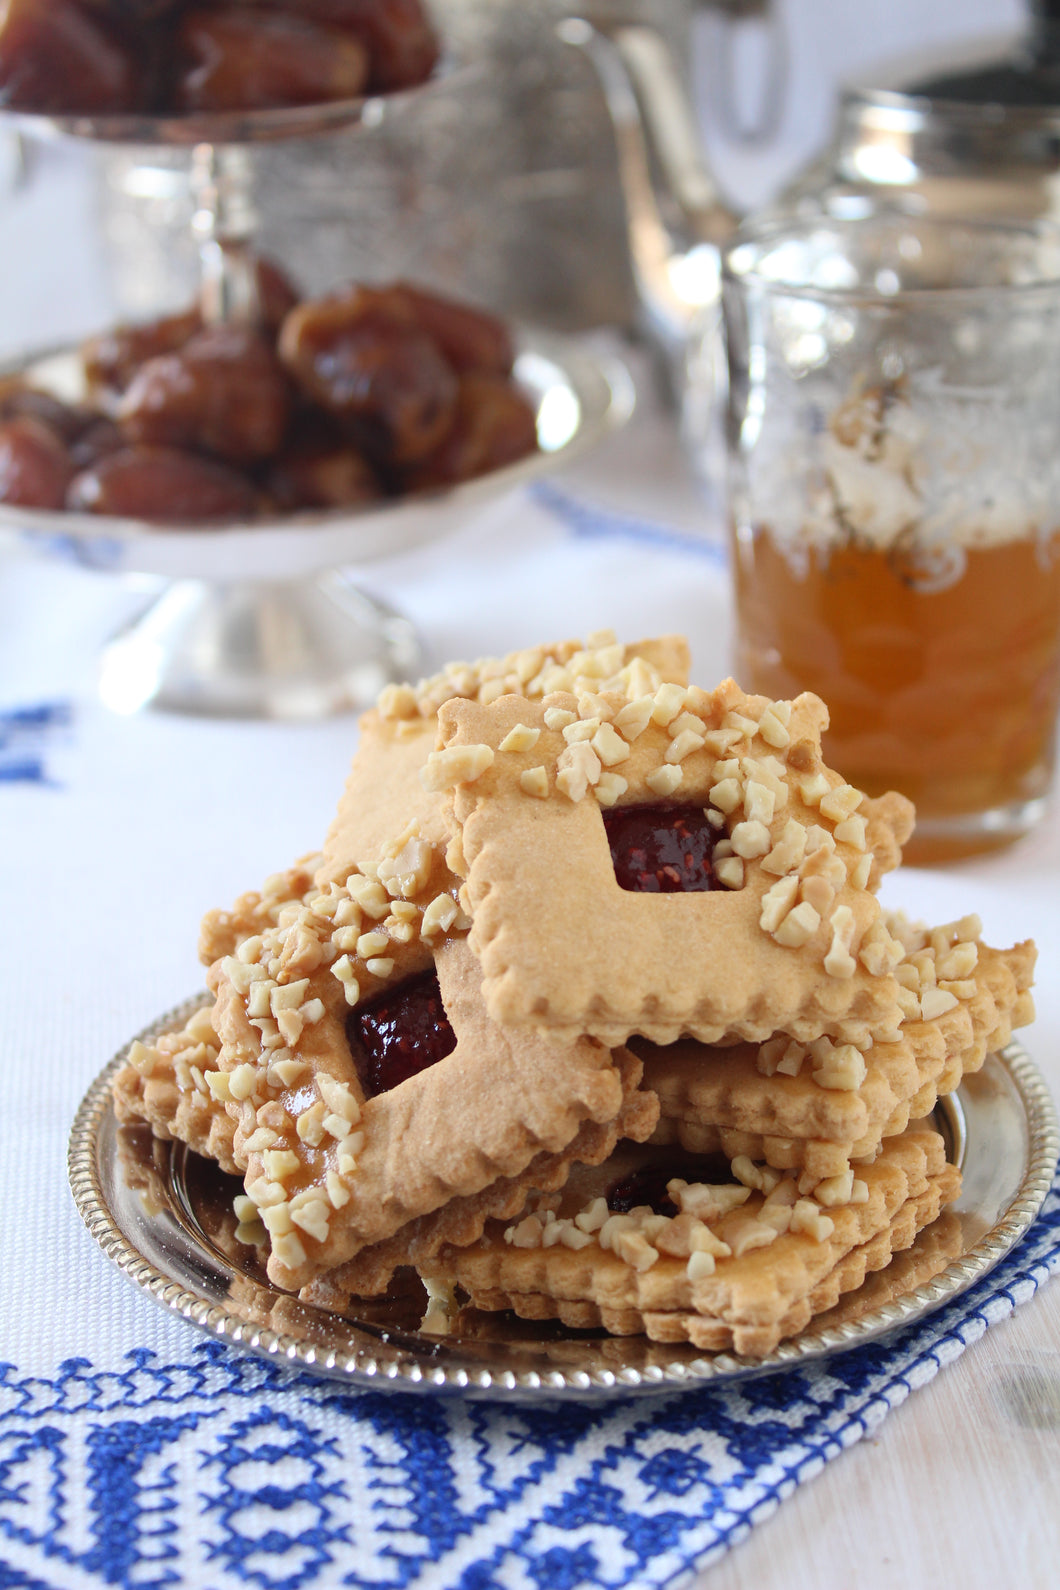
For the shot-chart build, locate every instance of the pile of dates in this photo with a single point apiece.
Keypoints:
(175, 57)
(363, 395)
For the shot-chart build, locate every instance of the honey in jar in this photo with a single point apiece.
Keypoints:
(942, 676)
(893, 432)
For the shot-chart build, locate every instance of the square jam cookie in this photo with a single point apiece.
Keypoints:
(384, 791)
(685, 1249)
(681, 864)
(821, 1109)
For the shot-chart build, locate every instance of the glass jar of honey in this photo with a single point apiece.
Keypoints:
(894, 473)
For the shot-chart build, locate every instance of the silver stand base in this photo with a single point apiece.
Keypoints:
(297, 650)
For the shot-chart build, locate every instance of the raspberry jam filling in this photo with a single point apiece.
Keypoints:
(647, 1186)
(664, 848)
(399, 1033)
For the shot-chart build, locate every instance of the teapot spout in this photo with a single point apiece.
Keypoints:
(675, 216)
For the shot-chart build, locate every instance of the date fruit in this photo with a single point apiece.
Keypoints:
(257, 60)
(322, 475)
(58, 60)
(470, 338)
(111, 359)
(35, 467)
(224, 392)
(494, 425)
(163, 485)
(401, 43)
(360, 354)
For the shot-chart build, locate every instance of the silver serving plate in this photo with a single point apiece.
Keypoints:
(258, 620)
(164, 1216)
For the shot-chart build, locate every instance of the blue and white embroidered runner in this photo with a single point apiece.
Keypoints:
(214, 1468)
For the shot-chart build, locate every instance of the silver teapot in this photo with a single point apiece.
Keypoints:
(558, 179)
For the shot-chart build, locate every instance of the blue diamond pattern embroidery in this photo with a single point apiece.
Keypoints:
(222, 1471)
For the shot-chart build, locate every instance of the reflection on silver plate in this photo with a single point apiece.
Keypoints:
(164, 1216)
(578, 394)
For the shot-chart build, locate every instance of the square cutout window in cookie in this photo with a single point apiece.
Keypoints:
(350, 1141)
(584, 925)
(662, 847)
(399, 1032)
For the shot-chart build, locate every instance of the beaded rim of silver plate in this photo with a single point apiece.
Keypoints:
(153, 1207)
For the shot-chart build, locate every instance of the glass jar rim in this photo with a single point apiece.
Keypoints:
(745, 255)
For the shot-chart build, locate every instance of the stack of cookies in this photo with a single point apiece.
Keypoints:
(588, 1010)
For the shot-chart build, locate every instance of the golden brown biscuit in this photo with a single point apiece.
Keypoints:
(221, 932)
(163, 1084)
(417, 1053)
(333, 1169)
(735, 1267)
(817, 1108)
(935, 1247)
(384, 792)
(794, 940)
(462, 1220)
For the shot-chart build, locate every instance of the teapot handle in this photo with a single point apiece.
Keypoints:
(760, 127)
(675, 216)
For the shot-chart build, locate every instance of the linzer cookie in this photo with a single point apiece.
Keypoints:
(462, 1220)
(819, 1108)
(669, 1249)
(222, 931)
(673, 1326)
(163, 1083)
(681, 864)
(384, 790)
(368, 1084)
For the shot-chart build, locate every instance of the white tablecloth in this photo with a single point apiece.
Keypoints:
(136, 825)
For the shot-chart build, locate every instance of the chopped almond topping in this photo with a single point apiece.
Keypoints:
(727, 794)
(799, 926)
(664, 780)
(669, 701)
(521, 738)
(700, 1266)
(609, 788)
(609, 746)
(935, 1002)
(534, 781)
(632, 719)
(729, 872)
(456, 764)
(684, 745)
(579, 767)
(288, 1250)
(840, 802)
(280, 1163)
(751, 839)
